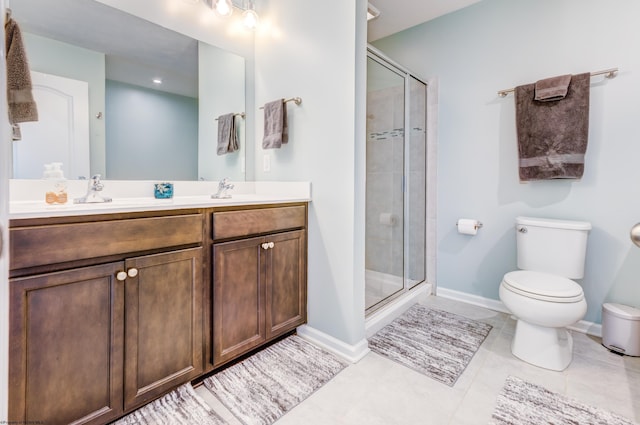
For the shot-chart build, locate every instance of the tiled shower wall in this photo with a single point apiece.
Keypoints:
(385, 164)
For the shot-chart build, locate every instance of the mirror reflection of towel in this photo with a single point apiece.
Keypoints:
(275, 125)
(22, 107)
(227, 137)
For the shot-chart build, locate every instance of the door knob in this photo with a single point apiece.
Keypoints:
(121, 276)
(132, 272)
(635, 234)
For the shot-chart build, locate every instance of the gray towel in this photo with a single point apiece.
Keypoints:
(554, 88)
(22, 107)
(552, 136)
(227, 136)
(275, 125)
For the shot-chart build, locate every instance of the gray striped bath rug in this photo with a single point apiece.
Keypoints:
(182, 406)
(433, 342)
(523, 403)
(265, 386)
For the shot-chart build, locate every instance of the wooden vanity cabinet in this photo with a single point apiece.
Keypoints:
(109, 312)
(66, 339)
(163, 324)
(89, 343)
(259, 282)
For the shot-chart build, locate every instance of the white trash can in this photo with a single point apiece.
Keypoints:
(621, 328)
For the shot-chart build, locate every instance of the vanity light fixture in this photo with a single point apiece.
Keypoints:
(372, 12)
(224, 8)
(250, 17)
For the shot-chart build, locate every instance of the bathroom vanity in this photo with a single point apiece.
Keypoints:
(111, 310)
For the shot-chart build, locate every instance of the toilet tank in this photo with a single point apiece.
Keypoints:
(552, 246)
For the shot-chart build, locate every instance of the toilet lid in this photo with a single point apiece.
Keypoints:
(543, 286)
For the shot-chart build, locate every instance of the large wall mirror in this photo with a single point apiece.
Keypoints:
(93, 70)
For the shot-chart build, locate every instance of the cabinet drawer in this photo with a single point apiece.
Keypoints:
(59, 243)
(233, 224)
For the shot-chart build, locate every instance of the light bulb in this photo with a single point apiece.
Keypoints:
(250, 19)
(223, 7)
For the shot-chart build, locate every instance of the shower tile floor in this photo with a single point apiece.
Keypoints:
(378, 391)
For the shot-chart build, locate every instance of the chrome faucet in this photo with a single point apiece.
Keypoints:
(93, 195)
(223, 186)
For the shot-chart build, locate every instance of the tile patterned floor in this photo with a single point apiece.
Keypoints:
(378, 391)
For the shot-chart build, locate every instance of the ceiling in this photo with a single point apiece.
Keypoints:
(398, 15)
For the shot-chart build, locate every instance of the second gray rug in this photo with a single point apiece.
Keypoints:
(434, 342)
(523, 403)
(265, 386)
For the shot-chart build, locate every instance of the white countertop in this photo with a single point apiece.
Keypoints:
(127, 197)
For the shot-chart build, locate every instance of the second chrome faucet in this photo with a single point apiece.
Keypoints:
(223, 187)
(93, 192)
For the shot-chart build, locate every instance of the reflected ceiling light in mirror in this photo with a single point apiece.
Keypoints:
(250, 17)
(372, 12)
(223, 7)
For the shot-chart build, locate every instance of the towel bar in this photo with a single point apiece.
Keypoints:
(237, 114)
(608, 73)
(295, 100)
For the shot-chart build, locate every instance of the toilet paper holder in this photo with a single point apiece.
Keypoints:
(478, 225)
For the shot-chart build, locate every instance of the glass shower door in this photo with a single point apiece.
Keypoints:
(384, 240)
(396, 181)
(416, 190)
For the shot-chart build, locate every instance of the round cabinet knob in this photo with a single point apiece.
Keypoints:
(121, 276)
(132, 272)
(271, 244)
(265, 245)
(522, 230)
(635, 234)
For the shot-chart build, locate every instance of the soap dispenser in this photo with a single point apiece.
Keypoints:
(57, 192)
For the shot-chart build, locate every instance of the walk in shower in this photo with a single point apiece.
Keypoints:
(395, 233)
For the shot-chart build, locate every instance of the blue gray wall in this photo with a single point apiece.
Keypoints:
(498, 44)
(151, 135)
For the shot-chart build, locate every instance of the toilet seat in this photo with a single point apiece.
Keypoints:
(543, 286)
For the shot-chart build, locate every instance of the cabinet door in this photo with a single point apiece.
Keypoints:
(66, 339)
(286, 289)
(163, 323)
(238, 298)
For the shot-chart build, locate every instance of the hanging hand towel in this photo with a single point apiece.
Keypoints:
(227, 137)
(22, 107)
(551, 89)
(552, 136)
(275, 125)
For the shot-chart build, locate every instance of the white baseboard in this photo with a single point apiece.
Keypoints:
(489, 303)
(351, 353)
(589, 328)
(583, 326)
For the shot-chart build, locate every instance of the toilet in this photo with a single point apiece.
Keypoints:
(542, 295)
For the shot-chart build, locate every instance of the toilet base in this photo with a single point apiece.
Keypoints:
(549, 348)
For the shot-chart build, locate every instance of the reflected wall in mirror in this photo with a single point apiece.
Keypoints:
(138, 129)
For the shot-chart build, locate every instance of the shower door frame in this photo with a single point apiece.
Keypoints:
(381, 59)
